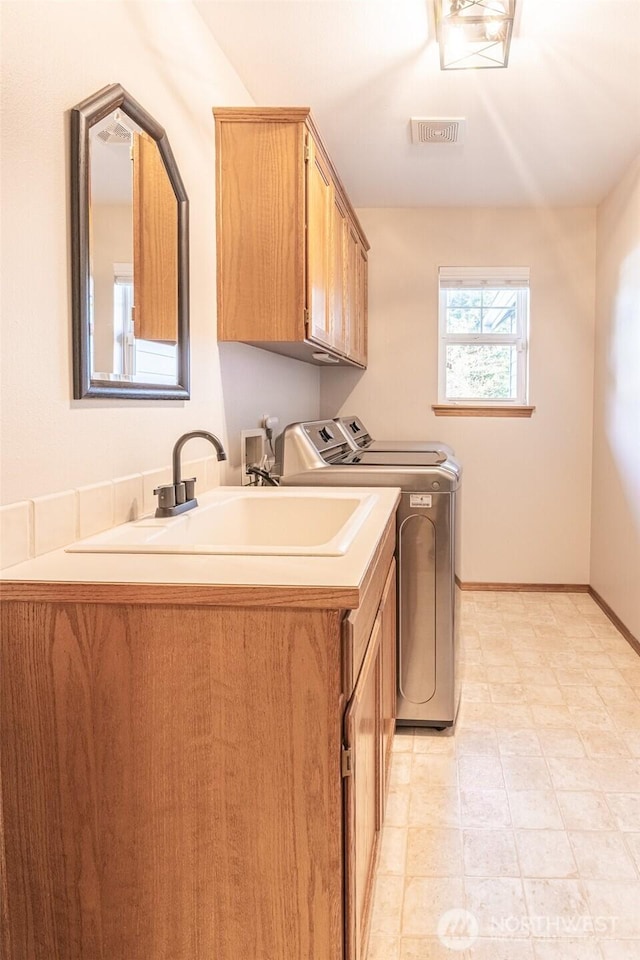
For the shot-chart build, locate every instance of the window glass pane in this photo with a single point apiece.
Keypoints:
(499, 311)
(481, 372)
(461, 320)
(464, 311)
(499, 297)
(464, 297)
(481, 311)
(499, 320)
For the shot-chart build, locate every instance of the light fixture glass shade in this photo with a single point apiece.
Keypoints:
(474, 33)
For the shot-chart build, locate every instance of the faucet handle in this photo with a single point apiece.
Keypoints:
(166, 495)
(190, 488)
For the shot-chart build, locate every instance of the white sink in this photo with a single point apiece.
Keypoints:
(258, 523)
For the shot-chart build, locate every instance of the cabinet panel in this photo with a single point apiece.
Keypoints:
(155, 245)
(356, 298)
(389, 672)
(357, 626)
(338, 291)
(319, 204)
(171, 788)
(362, 795)
(260, 213)
(358, 350)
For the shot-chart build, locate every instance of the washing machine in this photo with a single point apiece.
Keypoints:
(359, 436)
(317, 453)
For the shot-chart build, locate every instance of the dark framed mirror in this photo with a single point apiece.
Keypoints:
(130, 253)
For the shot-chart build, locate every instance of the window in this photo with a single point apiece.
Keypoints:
(484, 329)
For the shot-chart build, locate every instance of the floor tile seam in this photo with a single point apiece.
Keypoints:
(523, 875)
(470, 904)
(459, 800)
(619, 793)
(596, 789)
(406, 848)
(547, 768)
(463, 905)
(605, 795)
(616, 832)
(579, 881)
(551, 789)
(549, 830)
(459, 955)
(515, 842)
(629, 851)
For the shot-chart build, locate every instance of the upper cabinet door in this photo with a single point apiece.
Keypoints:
(338, 287)
(356, 298)
(261, 228)
(319, 204)
(359, 349)
(155, 245)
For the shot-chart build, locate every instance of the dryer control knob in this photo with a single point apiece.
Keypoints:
(435, 485)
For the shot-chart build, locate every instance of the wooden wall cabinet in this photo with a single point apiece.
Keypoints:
(188, 776)
(155, 245)
(291, 254)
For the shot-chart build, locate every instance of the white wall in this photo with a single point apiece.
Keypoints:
(111, 242)
(615, 545)
(53, 56)
(526, 485)
(277, 386)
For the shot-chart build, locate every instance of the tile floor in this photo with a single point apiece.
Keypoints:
(526, 820)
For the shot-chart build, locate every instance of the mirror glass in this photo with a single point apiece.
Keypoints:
(130, 256)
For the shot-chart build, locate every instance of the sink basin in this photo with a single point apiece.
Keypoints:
(262, 523)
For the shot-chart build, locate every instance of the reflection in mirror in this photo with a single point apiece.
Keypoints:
(129, 254)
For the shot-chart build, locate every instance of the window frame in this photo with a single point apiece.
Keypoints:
(477, 278)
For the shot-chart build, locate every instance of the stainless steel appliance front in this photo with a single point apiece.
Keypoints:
(428, 641)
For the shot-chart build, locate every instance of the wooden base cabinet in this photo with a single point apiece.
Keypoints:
(389, 656)
(191, 780)
(368, 729)
(363, 737)
(291, 253)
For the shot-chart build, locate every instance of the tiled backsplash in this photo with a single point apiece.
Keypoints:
(33, 527)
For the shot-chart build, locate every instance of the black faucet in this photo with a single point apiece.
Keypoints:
(176, 497)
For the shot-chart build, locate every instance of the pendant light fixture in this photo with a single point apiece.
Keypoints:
(474, 34)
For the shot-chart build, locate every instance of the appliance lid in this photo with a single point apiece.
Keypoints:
(395, 458)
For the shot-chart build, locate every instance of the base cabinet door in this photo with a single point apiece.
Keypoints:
(362, 730)
(388, 655)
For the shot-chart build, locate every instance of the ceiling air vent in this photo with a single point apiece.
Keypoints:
(438, 129)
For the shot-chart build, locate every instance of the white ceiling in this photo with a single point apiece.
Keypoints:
(557, 127)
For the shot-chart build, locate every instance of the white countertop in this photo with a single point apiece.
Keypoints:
(348, 571)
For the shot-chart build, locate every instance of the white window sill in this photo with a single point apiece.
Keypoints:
(481, 410)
